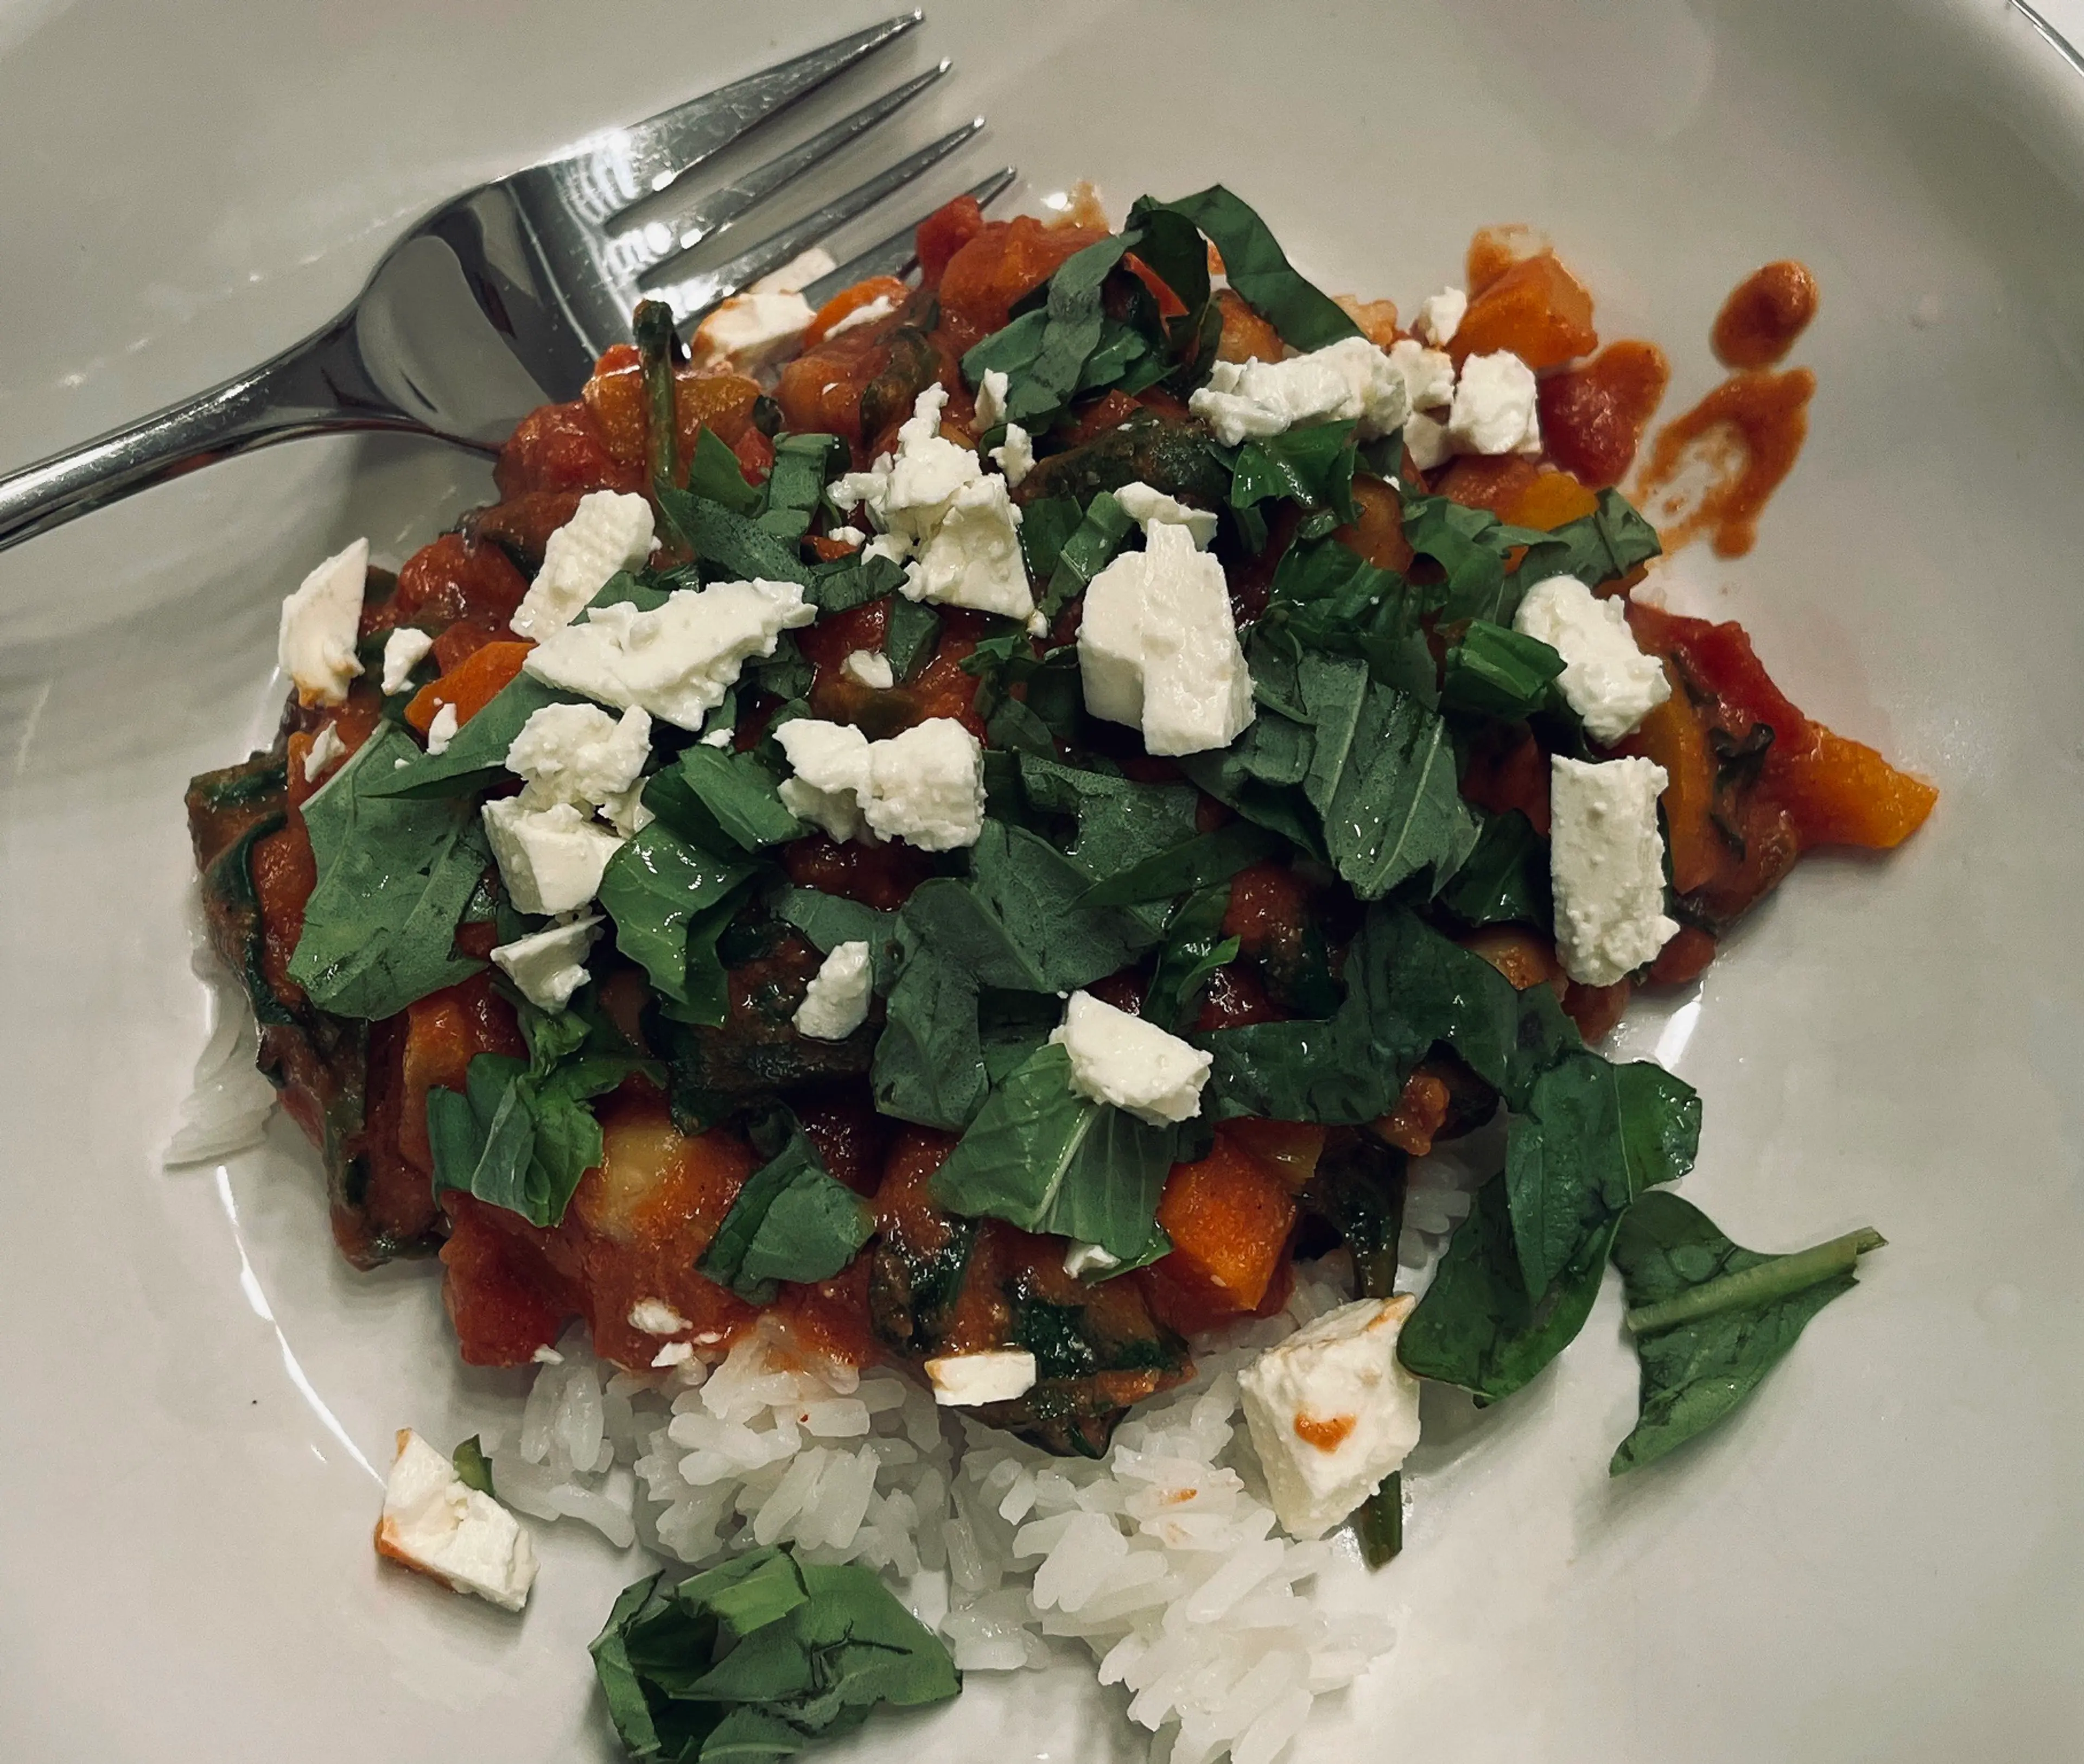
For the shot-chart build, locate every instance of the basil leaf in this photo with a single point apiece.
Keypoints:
(804, 465)
(846, 582)
(1194, 949)
(829, 920)
(1506, 878)
(739, 548)
(653, 888)
(928, 1063)
(1090, 549)
(912, 636)
(1602, 546)
(393, 879)
(715, 473)
(1332, 598)
(786, 673)
(1034, 894)
(1498, 672)
(1119, 822)
(1258, 269)
(470, 1467)
(1470, 545)
(1071, 331)
(1711, 1318)
(476, 756)
(791, 1221)
(720, 799)
(1198, 862)
(1010, 350)
(1311, 466)
(1045, 524)
(1045, 1158)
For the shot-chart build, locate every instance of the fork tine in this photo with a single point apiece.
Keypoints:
(691, 296)
(618, 168)
(643, 247)
(897, 254)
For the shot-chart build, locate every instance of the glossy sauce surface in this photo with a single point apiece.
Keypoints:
(1763, 314)
(1593, 417)
(1714, 469)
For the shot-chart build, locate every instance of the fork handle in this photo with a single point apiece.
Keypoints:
(320, 386)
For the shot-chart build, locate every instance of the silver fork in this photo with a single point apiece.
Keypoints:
(501, 299)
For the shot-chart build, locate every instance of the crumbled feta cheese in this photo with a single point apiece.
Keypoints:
(579, 753)
(873, 313)
(1428, 374)
(720, 737)
(404, 649)
(1440, 317)
(750, 329)
(435, 1522)
(1158, 648)
(550, 858)
(1425, 440)
(1606, 679)
(547, 1356)
(1332, 1412)
(926, 786)
(837, 1003)
(1081, 1260)
(325, 749)
(315, 643)
(676, 662)
(442, 730)
(547, 966)
(1606, 859)
(673, 1354)
(908, 494)
(1350, 381)
(608, 531)
(869, 667)
(1015, 456)
(965, 1380)
(1494, 410)
(1131, 1062)
(831, 768)
(1145, 505)
(991, 399)
(848, 535)
(654, 1316)
(801, 270)
(973, 557)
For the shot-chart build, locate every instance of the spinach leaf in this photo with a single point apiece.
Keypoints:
(829, 920)
(655, 888)
(725, 802)
(929, 1065)
(1194, 949)
(740, 548)
(1497, 672)
(393, 879)
(844, 583)
(1711, 1319)
(1089, 549)
(1035, 895)
(912, 636)
(1258, 269)
(804, 465)
(1602, 546)
(1045, 1158)
(1045, 524)
(753, 1661)
(1198, 862)
(1332, 598)
(1312, 466)
(1506, 878)
(1470, 545)
(715, 473)
(791, 1221)
(477, 755)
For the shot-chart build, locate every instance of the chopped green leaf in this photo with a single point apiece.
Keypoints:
(1498, 672)
(790, 1221)
(1258, 269)
(929, 1065)
(912, 636)
(829, 920)
(739, 548)
(1506, 878)
(660, 351)
(715, 473)
(725, 801)
(1602, 546)
(1194, 949)
(1312, 466)
(1198, 862)
(1045, 524)
(1072, 330)
(656, 886)
(1470, 545)
(1088, 550)
(476, 756)
(472, 1469)
(394, 876)
(1709, 1318)
(854, 580)
(804, 465)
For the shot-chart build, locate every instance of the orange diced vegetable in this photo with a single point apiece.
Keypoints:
(1421, 1112)
(1844, 793)
(850, 300)
(1228, 1217)
(1552, 499)
(1672, 735)
(1537, 309)
(1292, 1148)
(482, 677)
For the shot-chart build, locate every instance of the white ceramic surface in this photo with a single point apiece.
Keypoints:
(1878, 1560)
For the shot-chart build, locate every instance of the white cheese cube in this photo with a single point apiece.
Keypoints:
(965, 1380)
(676, 662)
(908, 494)
(837, 1003)
(1082, 1260)
(326, 747)
(435, 1522)
(404, 649)
(1440, 315)
(1494, 409)
(926, 786)
(579, 753)
(991, 399)
(1428, 374)
(869, 667)
(1157, 648)
(547, 966)
(831, 768)
(315, 643)
(1332, 1411)
(973, 557)
(1015, 455)
(1145, 506)
(608, 531)
(1606, 860)
(550, 858)
(1131, 1062)
(1350, 381)
(875, 312)
(442, 730)
(1606, 679)
(1425, 440)
(654, 1316)
(750, 330)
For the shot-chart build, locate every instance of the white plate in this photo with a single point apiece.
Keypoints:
(1877, 1559)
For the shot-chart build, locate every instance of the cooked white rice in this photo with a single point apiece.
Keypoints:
(1163, 1560)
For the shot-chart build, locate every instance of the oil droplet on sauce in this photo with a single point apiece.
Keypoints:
(1762, 317)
